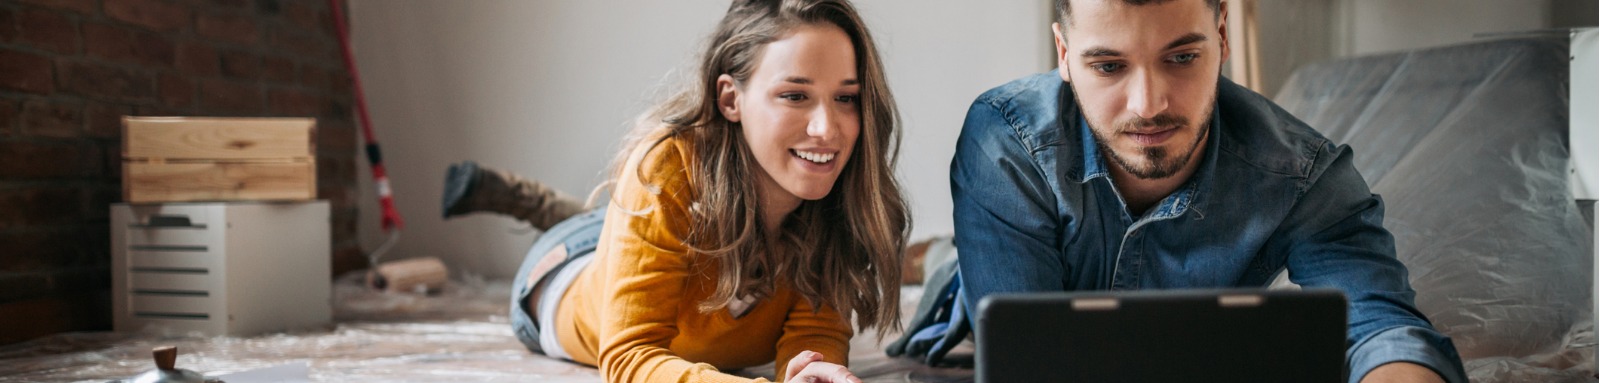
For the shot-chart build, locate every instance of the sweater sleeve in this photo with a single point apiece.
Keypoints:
(645, 274)
(823, 331)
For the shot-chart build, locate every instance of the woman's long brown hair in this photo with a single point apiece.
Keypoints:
(843, 250)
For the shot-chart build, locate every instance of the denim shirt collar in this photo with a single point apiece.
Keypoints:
(1186, 198)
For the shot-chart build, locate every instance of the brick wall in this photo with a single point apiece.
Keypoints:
(69, 69)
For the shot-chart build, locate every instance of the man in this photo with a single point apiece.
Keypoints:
(1139, 167)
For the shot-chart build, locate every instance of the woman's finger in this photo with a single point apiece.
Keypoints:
(825, 372)
(799, 363)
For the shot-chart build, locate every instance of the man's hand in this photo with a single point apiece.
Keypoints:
(1402, 372)
(808, 367)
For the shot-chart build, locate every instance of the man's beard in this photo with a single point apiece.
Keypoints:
(1158, 162)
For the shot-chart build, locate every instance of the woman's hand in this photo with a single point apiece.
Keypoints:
(808, 367)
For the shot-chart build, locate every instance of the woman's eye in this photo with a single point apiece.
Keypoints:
(1107, 68)
(795, 97)
(1185, 58)
(851, 99)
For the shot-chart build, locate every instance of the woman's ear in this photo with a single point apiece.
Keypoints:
(728, 98)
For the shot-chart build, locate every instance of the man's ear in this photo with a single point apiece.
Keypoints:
(1061, 52)
(1222, 29)
(728, 98)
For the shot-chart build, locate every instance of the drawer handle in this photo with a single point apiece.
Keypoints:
(176, 221)
(145, 314)
(187, 248)
(173, 293)
(171, 270)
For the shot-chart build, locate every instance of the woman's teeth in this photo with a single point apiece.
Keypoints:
(821, 158)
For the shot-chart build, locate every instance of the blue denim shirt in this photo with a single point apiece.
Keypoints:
(1035, 210)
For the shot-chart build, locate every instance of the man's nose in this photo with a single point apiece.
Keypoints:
(1147, 94)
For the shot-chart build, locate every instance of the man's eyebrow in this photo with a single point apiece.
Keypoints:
(1108, 52)
(1101, 52)
(1185, 40)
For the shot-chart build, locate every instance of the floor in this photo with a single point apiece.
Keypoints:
(460, 335)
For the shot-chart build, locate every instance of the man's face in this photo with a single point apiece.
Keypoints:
(1145, 77)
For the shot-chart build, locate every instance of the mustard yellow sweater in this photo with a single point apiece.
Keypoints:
(634, 311)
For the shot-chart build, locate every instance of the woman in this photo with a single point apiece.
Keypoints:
(753, 213)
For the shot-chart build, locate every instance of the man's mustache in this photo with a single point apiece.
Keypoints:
(1159, 123)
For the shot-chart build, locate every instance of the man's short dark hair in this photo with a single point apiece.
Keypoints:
(1064, 8)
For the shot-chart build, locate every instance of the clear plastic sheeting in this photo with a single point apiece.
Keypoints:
(1468, 147)
(459, 335)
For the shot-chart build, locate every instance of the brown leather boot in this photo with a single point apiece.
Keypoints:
(472, 188)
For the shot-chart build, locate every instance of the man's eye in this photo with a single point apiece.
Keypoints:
(1185, 58)
(796, 97)
(1107, 68)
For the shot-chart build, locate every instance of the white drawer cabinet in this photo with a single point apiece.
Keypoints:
(223, 268)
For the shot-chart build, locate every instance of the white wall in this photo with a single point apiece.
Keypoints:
(1385, 26)
(545, 89)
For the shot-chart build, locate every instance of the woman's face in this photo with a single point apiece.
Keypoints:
(800, 113)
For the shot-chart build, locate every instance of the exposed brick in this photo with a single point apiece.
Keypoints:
(307, 15)
(26, 72)
(347, 256)
(79, 311)
(277, 69)
(9, 112)
(102, 120)
(80, 6)
(230, 28)
(175, 91)
(19, 286)
(162, 111)
(268, 7)
(154, 14)
(112, 166)
(336, 135)
(314, 77)
(295, 103)
(241, 64)
(34, 160)
(52, 119)
(341, 222)
(336, 168)
(339, 82)
(230, 3)
(228, 96)
(197, 58)
(105, 82)
(48, 30)
(301, 43)
(339, 195)
(39, 250)
(8, 25)
(38, 206)
(100, 198)
(95, 61)
(341, 108)
(127, 45)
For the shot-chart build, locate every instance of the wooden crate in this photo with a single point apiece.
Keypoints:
(184, 159)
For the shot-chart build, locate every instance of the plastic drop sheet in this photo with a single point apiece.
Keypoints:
(1468, 147)
(459, 335)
